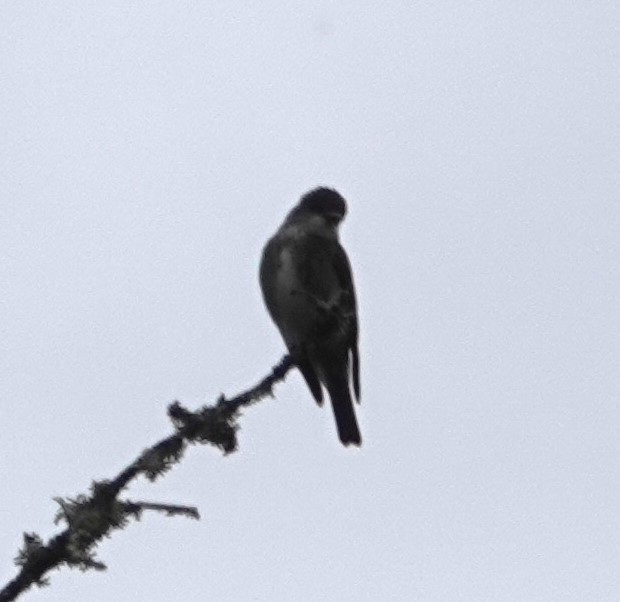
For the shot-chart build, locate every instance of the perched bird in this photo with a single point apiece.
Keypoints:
(307, 285)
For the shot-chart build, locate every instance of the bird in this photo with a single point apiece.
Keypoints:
(307, 285)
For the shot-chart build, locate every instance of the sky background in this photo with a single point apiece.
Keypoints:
(148, 151)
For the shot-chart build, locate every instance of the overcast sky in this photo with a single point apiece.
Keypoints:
(148, 151)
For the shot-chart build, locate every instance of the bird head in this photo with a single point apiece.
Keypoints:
(323, 204)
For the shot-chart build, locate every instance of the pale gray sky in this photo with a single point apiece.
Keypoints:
(150, 148)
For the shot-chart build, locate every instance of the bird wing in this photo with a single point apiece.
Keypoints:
(336, 289)
(349, 308)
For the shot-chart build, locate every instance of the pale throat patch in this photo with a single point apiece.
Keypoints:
(310, 224)
(287, 278)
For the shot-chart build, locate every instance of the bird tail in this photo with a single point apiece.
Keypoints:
(344, 413)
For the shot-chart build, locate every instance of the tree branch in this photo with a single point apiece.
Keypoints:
(91, 517)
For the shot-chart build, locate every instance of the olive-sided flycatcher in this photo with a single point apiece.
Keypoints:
(307, 285)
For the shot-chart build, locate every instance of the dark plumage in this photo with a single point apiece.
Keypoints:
(308, 289)
(323, 200)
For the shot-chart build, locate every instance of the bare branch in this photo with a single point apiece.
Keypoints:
(91, 517)
(167, 509)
